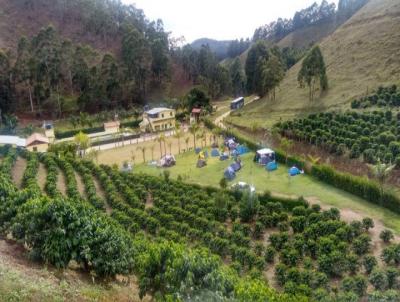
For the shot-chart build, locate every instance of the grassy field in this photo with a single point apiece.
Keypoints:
(360, 55)
(276, 182)
(152, 149)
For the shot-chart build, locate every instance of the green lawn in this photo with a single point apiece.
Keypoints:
(276, 182)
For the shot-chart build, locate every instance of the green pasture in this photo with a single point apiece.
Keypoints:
(277, 182)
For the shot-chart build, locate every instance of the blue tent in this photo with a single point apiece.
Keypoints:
(241, 149)
(229, 173)
(236, 166)
(223, 157)
(293, 171)
(214, 153)
(272, 166)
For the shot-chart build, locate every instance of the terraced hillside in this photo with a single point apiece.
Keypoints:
(360, 55)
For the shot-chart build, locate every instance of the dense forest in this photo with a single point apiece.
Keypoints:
(49, 74)
(312, 15)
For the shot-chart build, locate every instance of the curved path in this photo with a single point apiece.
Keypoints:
(219, 120)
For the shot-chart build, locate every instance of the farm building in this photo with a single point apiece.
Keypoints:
(195, 115)
(37, 143)
(111, 127)
(158, 119)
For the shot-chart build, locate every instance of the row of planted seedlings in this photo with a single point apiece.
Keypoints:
(52, 175)
(186, 211)
(306, 243)
(88, 182)
(70, 179)
(133, 219)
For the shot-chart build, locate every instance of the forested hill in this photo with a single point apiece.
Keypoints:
(308, 25)
(98, 23)
(220, 48)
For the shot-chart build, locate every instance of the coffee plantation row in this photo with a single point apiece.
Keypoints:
(372, 135)
(309, 249)
(383, 97)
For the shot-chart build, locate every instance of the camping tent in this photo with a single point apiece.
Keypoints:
(236, 166)
(241, 149)
(264, 156)
(167, 161)
(230, 143)
(293, 171)
(224, 156)
(229, 173)
(214, 153)
(201, 163)
(272, 166)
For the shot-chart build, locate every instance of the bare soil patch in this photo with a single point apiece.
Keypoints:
(41, 177)
(61, 183)
(80, 185)
(18, 170)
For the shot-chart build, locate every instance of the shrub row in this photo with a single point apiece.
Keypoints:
(91, 130)
(359, 186)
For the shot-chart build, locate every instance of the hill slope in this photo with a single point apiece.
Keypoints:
(360, 55)
(219, 47)
(308, 35)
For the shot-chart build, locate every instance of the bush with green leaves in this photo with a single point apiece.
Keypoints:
(369, 263)
(386, 235)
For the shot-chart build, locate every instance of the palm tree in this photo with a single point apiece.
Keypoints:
(178, 135)
(152, 152)
(164, 139)
(133, 157)
(381, 171)
(170, 147)
(193, 130)
(187, 139)
(286, 145)
(160, 139)
(143, 149)
(215, 135)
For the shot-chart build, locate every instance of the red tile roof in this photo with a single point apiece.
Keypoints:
(196, 110)
(36, 137)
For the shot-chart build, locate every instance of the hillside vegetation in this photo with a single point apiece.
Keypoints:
(360, 55)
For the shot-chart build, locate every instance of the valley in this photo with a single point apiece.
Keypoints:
(128, 173)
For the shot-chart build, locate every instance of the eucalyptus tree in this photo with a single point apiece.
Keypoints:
(313, 71)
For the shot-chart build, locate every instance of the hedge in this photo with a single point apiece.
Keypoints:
(359, 186)
(71, 133)
(91, 130)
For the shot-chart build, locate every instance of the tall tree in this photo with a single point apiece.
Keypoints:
(137, 58)
(6, 89)
(313, 71)
(23, 68)
(237, 78)
(258, 51)
(271, 73)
